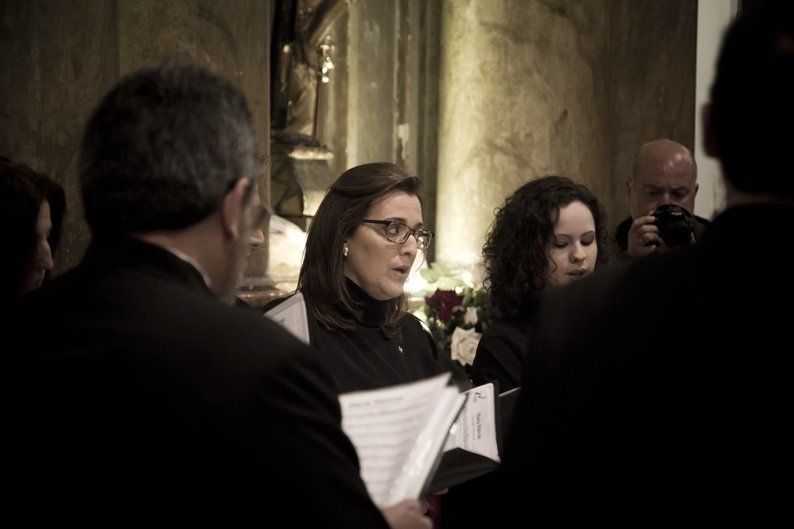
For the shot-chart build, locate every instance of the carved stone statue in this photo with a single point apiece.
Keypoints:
(301, 57)
(300, 171)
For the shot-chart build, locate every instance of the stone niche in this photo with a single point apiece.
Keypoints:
(300, 177)
(301, 65)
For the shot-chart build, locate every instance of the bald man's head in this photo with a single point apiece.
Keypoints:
(663, 172)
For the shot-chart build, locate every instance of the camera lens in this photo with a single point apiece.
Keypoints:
(676, 225)
(677, 235)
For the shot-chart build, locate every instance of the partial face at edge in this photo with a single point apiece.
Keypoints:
(257, 236)
(573, 248)
(251, 216)
(41, 262)
(377, 265)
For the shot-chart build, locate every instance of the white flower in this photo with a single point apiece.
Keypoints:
(464, 345)
(470, 318)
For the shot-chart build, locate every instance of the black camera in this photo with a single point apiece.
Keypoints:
(676, 225)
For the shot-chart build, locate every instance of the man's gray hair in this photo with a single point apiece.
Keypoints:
(162, 148)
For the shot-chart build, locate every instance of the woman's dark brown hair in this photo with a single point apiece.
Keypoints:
(322, 276)
(22, 191)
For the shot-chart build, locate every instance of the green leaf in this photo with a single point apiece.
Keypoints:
(430, 275)
(441, 268)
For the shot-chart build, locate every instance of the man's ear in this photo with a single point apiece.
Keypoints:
(232, 207)
(709, 142)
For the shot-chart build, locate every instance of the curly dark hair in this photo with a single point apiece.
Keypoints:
(515, 254)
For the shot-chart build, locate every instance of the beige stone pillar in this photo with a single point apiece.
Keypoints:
(521, 96)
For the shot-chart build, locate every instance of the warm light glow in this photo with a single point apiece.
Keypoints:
(416, 286)
(287, 243)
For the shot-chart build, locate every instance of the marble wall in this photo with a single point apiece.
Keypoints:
(382, 101)
(651, 77)
(475, 96)
(532, 87)
(371, 82)
(522, 95)
(59, 59)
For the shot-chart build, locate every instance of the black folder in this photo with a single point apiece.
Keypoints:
(458, 465)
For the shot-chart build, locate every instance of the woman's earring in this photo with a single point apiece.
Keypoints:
(344, 250)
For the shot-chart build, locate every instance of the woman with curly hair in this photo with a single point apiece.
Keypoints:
(551, 231)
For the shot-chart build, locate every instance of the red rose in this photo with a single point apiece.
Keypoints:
(443, 302)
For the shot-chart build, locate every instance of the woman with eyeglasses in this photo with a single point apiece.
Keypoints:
(360, 249)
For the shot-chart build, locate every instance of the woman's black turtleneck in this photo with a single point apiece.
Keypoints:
(364, 358)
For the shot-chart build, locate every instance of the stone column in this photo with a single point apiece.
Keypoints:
(522, 95)
(371, 89)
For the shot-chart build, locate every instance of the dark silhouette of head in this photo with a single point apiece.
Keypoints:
(163, 147)
(749, 124)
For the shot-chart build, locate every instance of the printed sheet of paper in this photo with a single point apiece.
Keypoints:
(398, 433)
(475, 428)
(291, 314)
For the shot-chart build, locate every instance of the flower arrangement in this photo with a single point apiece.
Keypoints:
(457, 313)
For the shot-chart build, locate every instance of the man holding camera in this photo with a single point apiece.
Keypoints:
(663, 173)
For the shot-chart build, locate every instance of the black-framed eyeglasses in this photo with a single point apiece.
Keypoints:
(398, 233)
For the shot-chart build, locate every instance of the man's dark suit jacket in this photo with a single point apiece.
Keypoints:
(140, 396)
(662, 388)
